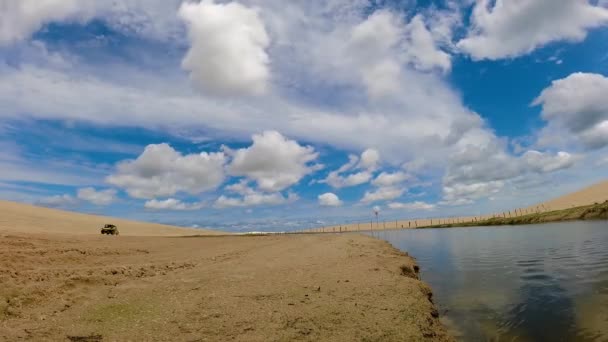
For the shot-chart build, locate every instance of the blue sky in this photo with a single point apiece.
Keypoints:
(262, 115)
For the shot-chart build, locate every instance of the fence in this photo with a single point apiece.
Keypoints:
(376, 224)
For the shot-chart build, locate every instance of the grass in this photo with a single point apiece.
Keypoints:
(597, 211)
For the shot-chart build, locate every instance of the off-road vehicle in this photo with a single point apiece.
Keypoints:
(109, 229)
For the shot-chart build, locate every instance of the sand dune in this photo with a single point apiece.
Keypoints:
(25, 218)
(596, 193)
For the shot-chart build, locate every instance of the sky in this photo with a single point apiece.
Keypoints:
(266, 115)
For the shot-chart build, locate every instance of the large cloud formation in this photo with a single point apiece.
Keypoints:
(273, 161)
(227, 48)
(509, 28)
(578, 105)
(161, 171)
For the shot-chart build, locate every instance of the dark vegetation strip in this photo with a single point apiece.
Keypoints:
(597, 211)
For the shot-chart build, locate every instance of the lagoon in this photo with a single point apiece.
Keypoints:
(516, 283)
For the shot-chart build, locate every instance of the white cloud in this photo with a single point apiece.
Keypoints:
(19, 19)
(371, 48)
(337, 181)
(423, 120)
(512, 28)
(382, 194)
(172, 204)
(390, 179)
(413, 206)
(57, 201)
(329, 200)
(544, 162)
(254, 198)
(364, 167)
(480, 168)
(578, 107)
(228, 48)
(161, 171)
(101, 197)
(151, 19)
(382, 44)
(369, 160)
(418, 124)
(422, 50)
(273, 161)
(461, 193)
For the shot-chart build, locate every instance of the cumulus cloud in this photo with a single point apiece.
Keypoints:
(20, 19)
(329, 200)
(417, 122)
(360, 169)
(390, 179)
(228, 47)
(413, 206)
(162, 171)
(172, 204)
(422, 50)
(543, 162)
(246, 196)
(481, 169)
(578, 106)
(273, 161)
(382, 194)
(369, 159)
(101, 197)
(512, 28)
(463, 193)
(254, 199)
(382, 44)
(422, 117)
(57, 201)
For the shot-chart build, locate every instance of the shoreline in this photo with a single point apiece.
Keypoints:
(597, 211)
(259, 288)
(536, 215)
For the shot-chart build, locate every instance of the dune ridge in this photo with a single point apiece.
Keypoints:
(25, 218)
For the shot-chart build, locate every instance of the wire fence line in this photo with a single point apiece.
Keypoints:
(375, 224)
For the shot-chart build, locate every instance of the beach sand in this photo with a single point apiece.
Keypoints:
(329, 287)
(61, 280)
(24, 218)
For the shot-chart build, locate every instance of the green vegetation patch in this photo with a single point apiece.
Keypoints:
(597, 211)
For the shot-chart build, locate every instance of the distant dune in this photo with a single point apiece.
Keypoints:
(596, 193)
(25, 218)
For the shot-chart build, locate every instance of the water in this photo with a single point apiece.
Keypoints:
(523, 283)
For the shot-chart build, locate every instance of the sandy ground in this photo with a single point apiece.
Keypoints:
(328, 287)
(597, 193)
(24, 218)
